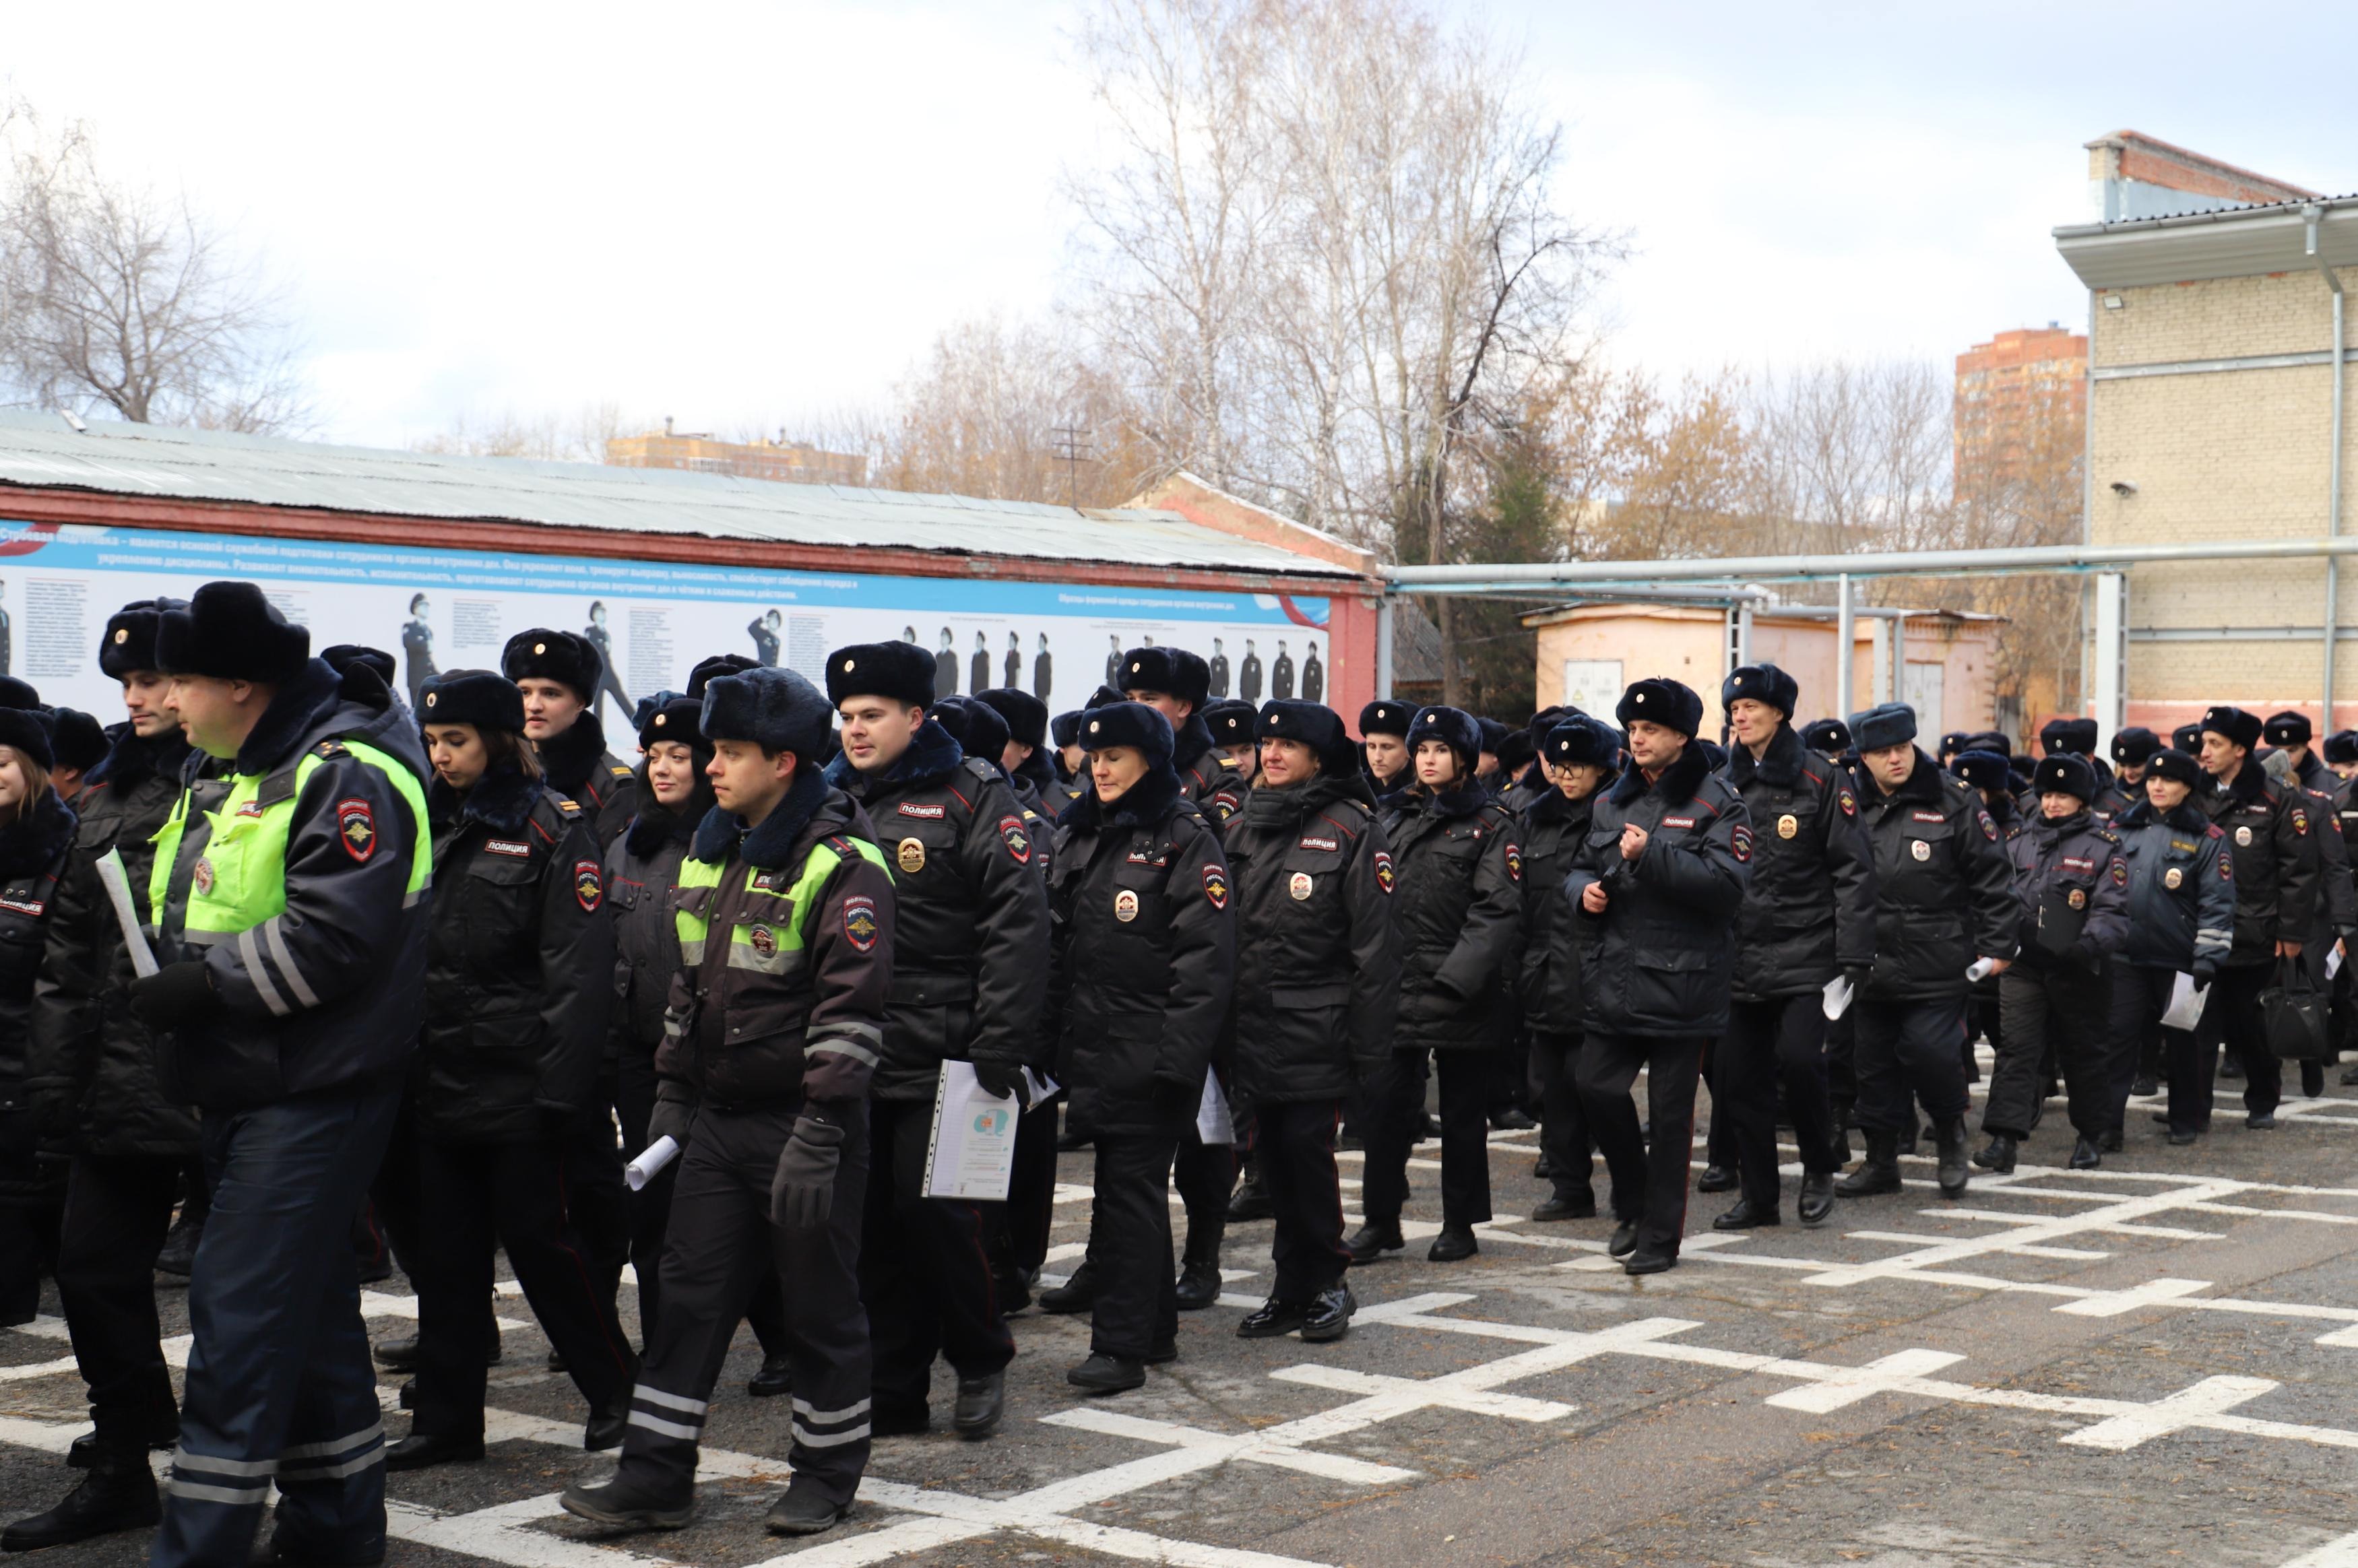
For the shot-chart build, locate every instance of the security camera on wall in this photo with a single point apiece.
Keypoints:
(2124, 487)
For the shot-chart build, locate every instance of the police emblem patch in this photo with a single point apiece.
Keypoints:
(1384, 870)
(1848, 800)
(1125, 906)
(1514, 863)
(1989, 828)
(763, 940)
(2301, 821)
(589, 885)
(860, 925)
(1018, 843)
(2172, 878)
(2120, 873)
(1789, 826)
(1215, 886)
(356, 826)
(1739, 840)
(1298, 886)
(204, 877)
(1919, 849)
(2078, 899)
(910, 856)
(2243, 837)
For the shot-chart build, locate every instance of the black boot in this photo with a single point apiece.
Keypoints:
(2086, 1155)
(1199, 1284)
(117, 1493)
(1715, 1179)
(179, 1257)
(1953, 1171)
(1999, 1155)
(1373, 1240)
(1567, 1202)
(1250, 1200)
(1077, 1294)
(1879, 1173)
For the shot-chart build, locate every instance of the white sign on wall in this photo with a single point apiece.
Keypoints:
(1594, 686)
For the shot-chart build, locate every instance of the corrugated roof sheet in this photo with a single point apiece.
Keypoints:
(42, 451)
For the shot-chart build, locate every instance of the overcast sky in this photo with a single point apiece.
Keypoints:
(760, 212)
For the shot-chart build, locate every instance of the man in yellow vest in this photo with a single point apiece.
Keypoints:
(286, 901)
(774, 1027)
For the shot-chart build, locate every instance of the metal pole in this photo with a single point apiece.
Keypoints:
(2111, 655)
(1384, 646)
(1844, 629)
(2311, 217)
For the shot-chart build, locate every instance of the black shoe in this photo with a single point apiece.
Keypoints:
(397, 1355)
(1454, 1244)
(2112, 1141)
(1953, 1170)
(374, 1271)
(2147, 1084)
(1250, 1200)
(1273, 1319)
(1373, 1240)
(605, 1429)
(1076, 1294)
(1014, 1288)
(1998, 1155)
(1578, 1204)
(804, 1511)
(1649, 1262)
(1104, 1374)
(1625, 1239)
(1715, 1179)
(2161, 1119)
(119, 1493)
(775, 1378)
(407, 1398)
(556, 1360)
(1512, 1120)
(2260, 1121)
(619, 1505)
(1330, 1315)
(2178, 1138)
(1817, 1200)
(885, 1421)
(1199, 1286)
(163, 1437)
(279, 1549)
(2086, 1155)
(1747, 1215)
(1879, 1173)
(421, 1449)
(179, 1257)
(980, 1402)
(2231, 1071)
(1431, 1125)
(1543, 1168)
(1067, 1142)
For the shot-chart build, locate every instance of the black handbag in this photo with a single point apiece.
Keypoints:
(2295, 1013)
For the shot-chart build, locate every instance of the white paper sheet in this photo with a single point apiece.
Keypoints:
(972, 1152)
(651, 1160)
(1213, 1123)
(2334, 961)
(1979, 970)
(117, 882)
(2186, 1000)
(1838, 994)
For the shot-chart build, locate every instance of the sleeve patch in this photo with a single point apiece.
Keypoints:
(2301, 821)
(1848, 800)
(860, 925)
(1018, 841)
(1384, 873)
(2227, 867)
(1215, 886)
(2120, 872)
(589, 885)
(1989, 827)
(1514, 863)
(1739, 838)
(356, 826)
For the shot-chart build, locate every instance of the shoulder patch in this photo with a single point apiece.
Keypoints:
(1515, 862)
(1847, 800)
(2301, 821)
(2214, 831)
(1215, 886)
(1989, 825)
(1385, 875)
(567, 807)
(982, 769)
(2120, 872)
(620, 772)
(860, 925)
(1739, 840)
(589, 885)
(356, 827)
(331, 748)
(1013, 833)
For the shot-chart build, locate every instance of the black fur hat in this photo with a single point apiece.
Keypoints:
(2288, 729)
(472, 696)
(78, 740)
(2067, 773)
(1314, 724)
(1453, 728)
(1763, 682)
(2070, 736)
(344, 655)
(1888, 724)
(1385, 716)
(1516, 752)
(1103, 697)
(1581, 742)
(1026, 714)
(975, 725)
(1982, 770)
(1661, 701)
(1173, 672)
(565, 657)
(775, 710)
(901, 672)
(14, 693)
(2172, 764)
(2342, 746)
(1127, 724)
(706, 671)
(1956, 741)
(2240, 728)
(28, 729)
(2187, 738)
(1232, 722)
(130, 641)
(1990, 741)
(2133, 746)
(1065, 728)
(231, 632)
(672, 716)
(1826, 735)
(1494, 734)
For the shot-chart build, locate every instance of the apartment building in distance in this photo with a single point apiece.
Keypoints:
(2014, 394)
(790, 462)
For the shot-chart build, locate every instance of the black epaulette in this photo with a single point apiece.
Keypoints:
(2108, 835)
(619, 771)
(331, 748)
(568, 806)
(982, 769)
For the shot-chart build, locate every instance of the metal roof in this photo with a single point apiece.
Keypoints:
(2237, 241)
(43, 450)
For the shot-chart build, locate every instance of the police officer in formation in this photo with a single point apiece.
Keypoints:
(2181, 916)
(1579, 758)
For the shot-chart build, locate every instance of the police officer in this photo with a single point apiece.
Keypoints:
(36, 828)
(2342, 754)
(1457, 900)
(1943, 897)
(1662, 874)
(775, 1026)
(1487, 769)
(292, 987)
(2336, 914)
(2071, 888)
(1383, 744)
(92, 1083)
(1072, 778)
(1829, 737)
(642, 867)
(970, 926)
(1143, 969)
(2181, 916)
(1579, 758)
(2188, 737)
(1992, 775)
(2276, 870)
(519, 973)
(1232, 722)
(1023, 758)
(1316, 992)
(2132, 748)
(2290, 733)
(1808, 919)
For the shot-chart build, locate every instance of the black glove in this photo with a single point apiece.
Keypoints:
(1858, 975)
(674, 1114)
(174, 997)
(997, 1079)
(803, 1189)
(1176, 1103)
(2205, 971)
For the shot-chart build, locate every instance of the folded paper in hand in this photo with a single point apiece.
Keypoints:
(2186, 1000)
(972, 1152)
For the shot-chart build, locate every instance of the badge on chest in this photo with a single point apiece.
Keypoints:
(1125, 906)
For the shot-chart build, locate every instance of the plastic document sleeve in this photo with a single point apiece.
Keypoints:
(972, 1150)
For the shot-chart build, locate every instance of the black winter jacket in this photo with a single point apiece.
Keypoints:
(519, 965)
(578, 767)
(1554, 832)
(1459, 902)
(2182, 888)
(1809, 910)
(2071, 891)
(2337, 897)
(971, 913)
(642, 867)
(94, 1078)
(1318, 956)
(1206, 777)
(1142, 956)
(2275, 862)
(32, 855)
(1943, 890)
(1659, 960)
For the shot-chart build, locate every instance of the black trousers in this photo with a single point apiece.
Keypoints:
(117, 1211)
(1205, 1175)
(1842, 1064)
(1129, 1244)
(721, 1242)
(1031, 1209)
(1395, 1112)
(1772, 1044)
(2230, 1017)
(925, 1267)
(1563, 1119)
(2140, 996)
(1650, 1176)
(1296, 1150)
(1908, 1054)
(602, 1199)
(1719, 1141)
(517, 1196)
(649, 1213)
(2059, 1011)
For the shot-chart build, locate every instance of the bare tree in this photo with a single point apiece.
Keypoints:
(114, 299)
(580, 436)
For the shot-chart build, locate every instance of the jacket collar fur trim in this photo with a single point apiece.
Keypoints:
(1779, 768)
(502, 802)
(771, 844)
(1146, 803)
(1676, 786)
(933, 755)
(568, 758)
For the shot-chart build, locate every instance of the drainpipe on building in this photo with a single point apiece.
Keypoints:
(1845, 628)
(2312, 216)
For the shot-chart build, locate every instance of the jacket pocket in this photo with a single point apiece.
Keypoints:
(1333, 995)
(1667, 983)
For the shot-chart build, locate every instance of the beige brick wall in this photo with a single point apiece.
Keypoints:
(2227, 317)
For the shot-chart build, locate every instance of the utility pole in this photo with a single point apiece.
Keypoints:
(1071, 443)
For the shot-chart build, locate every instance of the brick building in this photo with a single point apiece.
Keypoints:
(2012, 393)
(790, 462)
